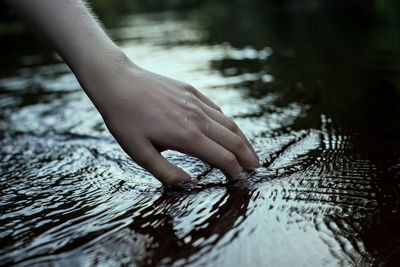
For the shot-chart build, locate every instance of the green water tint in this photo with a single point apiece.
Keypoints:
(316, 90)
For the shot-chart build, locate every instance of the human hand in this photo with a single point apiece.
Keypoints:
(148, 113)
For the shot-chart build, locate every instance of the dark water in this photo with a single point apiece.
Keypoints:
(315, 90)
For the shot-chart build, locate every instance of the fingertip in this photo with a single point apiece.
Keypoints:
(251, 148)
(185, 184)
(251, 161)
(166, 172)
(193, 181)
(188, 180)
(255, 154)
(176, 177)
(257, 162)
(188, 184)
(242, 175)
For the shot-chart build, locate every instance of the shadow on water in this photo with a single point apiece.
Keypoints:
(314, 86)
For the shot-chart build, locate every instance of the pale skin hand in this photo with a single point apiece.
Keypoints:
(147, 113)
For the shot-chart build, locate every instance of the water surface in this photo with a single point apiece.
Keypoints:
(316, 92)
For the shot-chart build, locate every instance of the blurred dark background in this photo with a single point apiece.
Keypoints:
(362, 10)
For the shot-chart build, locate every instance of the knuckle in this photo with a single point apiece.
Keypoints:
(218, 108)
(192, 98)
(195, 112)
(189, 88)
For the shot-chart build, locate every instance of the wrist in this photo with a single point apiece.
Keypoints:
(94, 65)
(102, 78)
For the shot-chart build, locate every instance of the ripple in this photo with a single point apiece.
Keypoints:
(327, 193)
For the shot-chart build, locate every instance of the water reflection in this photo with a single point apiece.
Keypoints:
(320, 108)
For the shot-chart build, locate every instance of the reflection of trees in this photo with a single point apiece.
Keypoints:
(158, 224)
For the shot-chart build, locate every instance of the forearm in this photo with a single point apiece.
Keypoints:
(71, 29)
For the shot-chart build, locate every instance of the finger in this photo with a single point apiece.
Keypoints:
(208, 101)
(231, 142)
(202, 147)
(203, 98)
(229, 124)
(167, 173)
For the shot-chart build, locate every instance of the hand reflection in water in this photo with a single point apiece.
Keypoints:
(146, 112)
(168, 241)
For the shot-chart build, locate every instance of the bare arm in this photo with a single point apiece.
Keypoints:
(146, 112)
